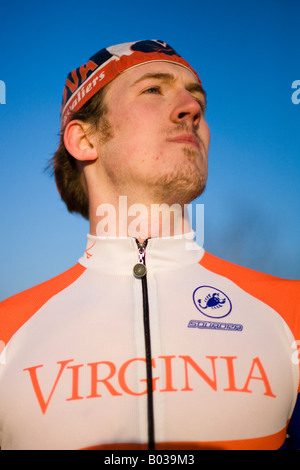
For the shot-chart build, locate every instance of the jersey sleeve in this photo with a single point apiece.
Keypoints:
(15, 311)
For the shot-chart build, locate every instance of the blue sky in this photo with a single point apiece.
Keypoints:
(247, 55)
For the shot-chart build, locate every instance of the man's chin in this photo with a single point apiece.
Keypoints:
(180, 187)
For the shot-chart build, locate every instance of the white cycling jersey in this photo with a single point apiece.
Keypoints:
(198, 354)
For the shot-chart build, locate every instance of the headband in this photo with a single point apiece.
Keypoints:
(85, 81)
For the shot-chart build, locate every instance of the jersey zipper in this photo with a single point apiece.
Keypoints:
(140, 272)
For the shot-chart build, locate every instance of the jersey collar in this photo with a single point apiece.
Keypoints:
(119, 255)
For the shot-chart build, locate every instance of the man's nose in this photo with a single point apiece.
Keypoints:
(186, 108)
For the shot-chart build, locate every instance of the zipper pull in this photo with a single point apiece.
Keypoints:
(139, 269)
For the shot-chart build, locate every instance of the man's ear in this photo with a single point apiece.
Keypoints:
(78, 141)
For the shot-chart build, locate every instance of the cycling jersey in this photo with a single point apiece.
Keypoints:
(192, 352)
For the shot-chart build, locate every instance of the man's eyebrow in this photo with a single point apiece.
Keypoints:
(165, 77)
(169, 78)
(197, 88)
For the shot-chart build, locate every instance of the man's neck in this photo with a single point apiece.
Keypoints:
(137, 220)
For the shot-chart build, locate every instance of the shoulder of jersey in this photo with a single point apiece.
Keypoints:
(16, 310)
(283, 295)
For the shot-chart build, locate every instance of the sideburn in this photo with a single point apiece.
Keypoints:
(105, 128)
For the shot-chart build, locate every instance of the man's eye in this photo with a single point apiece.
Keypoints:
(153, 90)
(202, 104)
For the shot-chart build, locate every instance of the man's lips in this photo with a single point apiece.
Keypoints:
(186, 139)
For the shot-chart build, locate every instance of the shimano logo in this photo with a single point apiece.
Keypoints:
(211, 325)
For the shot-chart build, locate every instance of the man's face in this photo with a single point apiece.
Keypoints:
(159, 139)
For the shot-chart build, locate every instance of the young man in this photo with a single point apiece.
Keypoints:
(148, 342)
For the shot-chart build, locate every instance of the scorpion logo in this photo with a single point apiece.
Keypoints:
(212, 302)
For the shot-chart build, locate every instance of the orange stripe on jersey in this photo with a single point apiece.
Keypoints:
(272, 442)
(283, 295)
(18, 309)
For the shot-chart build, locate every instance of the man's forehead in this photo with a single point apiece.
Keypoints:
(163, 71)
